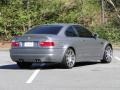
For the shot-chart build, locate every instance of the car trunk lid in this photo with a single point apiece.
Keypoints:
(31, 40)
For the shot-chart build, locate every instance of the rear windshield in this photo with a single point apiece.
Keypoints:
(46, 29)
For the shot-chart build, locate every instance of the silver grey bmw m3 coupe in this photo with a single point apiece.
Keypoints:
(59, 43)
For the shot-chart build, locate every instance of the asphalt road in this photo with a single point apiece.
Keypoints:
(84, 76)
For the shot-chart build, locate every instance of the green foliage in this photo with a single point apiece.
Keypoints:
(17, 16)
(108, 32)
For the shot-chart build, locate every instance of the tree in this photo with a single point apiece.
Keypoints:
(112, 3)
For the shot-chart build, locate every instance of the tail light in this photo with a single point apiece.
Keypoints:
(15, 44)
(47, 44)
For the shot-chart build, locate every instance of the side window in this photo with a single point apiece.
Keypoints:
(83, 32)
(70, 32)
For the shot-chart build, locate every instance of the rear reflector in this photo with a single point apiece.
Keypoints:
(46, 44)
(15, 44)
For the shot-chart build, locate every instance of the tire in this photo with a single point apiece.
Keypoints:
(24, 65)
(108, 53)
(69, 59)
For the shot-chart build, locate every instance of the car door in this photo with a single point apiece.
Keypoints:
(72, 40)
(90, 47)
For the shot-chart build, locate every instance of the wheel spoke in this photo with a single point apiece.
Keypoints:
(70, 58)
(108, 54)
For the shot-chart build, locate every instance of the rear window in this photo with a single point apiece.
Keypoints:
(47, 29)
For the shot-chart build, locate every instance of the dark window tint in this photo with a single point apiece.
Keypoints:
(70, 32)
(46, 29)
(83, 32)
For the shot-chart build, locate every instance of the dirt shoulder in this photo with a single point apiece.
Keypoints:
(4, 45)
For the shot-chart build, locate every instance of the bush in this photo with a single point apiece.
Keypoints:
(109, 33)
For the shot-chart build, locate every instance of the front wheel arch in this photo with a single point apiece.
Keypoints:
(104, 60)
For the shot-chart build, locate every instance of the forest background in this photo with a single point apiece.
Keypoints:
(100, 16)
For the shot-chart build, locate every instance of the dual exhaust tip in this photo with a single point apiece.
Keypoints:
(36, 60)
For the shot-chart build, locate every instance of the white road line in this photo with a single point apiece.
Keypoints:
(32, 76)
(117, 58)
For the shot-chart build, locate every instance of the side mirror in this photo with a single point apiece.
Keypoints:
(95, 35)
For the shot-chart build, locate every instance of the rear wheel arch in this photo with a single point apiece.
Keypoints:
(72, 49)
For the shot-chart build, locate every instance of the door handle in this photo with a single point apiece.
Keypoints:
(102, 43)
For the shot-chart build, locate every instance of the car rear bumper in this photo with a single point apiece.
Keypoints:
(37, 55)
